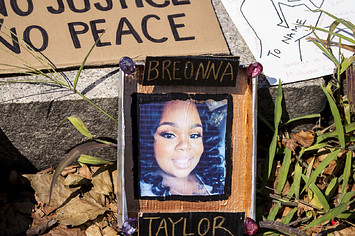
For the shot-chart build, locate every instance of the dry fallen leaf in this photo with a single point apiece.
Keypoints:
(286, 211)
(74, 179)
(330, 168)
(85, 172)
(102, 182)
(349, 231)
(79, 210)
(108, 231)
(305, 139)
(62, 230)
(322, 153)
(290, 144)
(69, 169)
(93, 230)
(114, 180)
(98, 197)
(41, 184)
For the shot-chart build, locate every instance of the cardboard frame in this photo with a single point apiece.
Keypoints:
(243, 141)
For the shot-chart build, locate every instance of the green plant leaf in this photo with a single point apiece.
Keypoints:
(346, 174)
(83, 63)
(348, 215)
(328, 216)
(322, 137)
(315, 147)
(274, 211)
(91, 160)
(337, 118)
(273, 145)
(284, 170)
(289, 216)
(332, 27)
(310, 167)
(347, 24)
(328, 52)
(346, 63)
(346, 106)
(70, 157)
(347, 196)
(311, 116)
(291, 192)
(342, 36)
(318, 194)
(331, 188)
(321, 167)
(297, 179)
(78, 124)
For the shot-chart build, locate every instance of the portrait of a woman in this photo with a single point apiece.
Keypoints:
(181, 149)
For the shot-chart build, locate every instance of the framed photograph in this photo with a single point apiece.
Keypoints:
(181, 145)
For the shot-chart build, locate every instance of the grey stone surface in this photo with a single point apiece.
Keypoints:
(30, 114)
(28, 137)
(300, 99)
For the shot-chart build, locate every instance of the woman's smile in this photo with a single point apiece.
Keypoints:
(182, 163)
(178, 143)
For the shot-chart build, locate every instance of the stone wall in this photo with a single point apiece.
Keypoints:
(30, 114)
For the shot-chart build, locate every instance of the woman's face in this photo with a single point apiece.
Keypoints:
(178, 142)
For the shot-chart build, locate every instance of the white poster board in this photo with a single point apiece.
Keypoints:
(271, 29)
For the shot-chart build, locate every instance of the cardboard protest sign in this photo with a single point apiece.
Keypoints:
(65, 30)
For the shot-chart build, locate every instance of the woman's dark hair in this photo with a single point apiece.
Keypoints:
(209, 168)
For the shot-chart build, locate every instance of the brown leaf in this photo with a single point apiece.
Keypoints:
(114, 180)
(79, 210)
(322, 153)
(71, 156)
(305, 139)
(85, 172)
(98, 197)
(75, 179)
(330, 168)
(277, 174)
(348, 231)
(290, 144)
(93, 230)
(41, 184)
(42, 228)
(69, 169)
(94, 169)
(102, 181)
(62, 230)
(286, 211)
(286, 188)
(108, 231)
